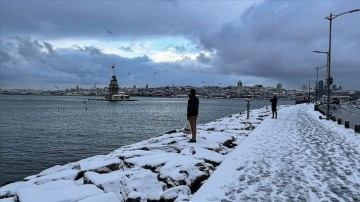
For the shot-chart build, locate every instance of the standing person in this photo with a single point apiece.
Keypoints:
(273, 106)
(248, 109)
(192, 113)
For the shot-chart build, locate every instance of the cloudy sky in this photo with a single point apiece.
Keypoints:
(66, 43)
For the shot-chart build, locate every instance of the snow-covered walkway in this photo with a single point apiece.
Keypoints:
(296, 157)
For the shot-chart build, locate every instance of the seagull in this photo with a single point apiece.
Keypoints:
(109, 31)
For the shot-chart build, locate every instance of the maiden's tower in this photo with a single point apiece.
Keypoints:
(114, 94)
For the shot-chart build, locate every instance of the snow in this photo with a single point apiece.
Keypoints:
(297, 157)
(11, 199)
(107, 197)
(60, 190)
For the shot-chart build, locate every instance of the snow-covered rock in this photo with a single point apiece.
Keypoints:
(57, 191)
(107, 197)
(166, 167)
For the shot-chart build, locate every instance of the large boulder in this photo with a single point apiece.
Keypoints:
(57, 191)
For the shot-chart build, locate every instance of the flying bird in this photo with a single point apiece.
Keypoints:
(109, 31)
(203, 82)
(155, 73)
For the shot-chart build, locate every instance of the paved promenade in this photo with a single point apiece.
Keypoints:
(297, 157)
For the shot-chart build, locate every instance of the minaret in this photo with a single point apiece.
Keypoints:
(113, 86)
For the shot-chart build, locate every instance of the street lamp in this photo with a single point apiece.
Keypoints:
(317, 82)
(328, 82)
(329, 79)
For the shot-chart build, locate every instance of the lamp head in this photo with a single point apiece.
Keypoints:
(355, 10)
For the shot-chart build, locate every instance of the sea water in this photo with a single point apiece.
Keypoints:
(38, 132)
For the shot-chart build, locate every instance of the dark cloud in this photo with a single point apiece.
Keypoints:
(274, 40)
(74, 66)
(265, 41)
(126, 48)
(29, 49)
(203, 59)
(92, 50)
(49, 47)
(53, 19)
(4, 56)
(180, 48)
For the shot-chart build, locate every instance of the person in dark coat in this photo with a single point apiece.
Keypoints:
(192, 113)
(273, 106)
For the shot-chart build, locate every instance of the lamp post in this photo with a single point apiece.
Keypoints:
(328, 82)
(317, 82)
(329, 79)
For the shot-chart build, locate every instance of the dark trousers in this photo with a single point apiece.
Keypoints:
(274, 112)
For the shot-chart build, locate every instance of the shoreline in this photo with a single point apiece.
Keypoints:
(170, 145)
(230, 154)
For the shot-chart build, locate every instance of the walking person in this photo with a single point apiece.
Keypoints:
(273, 106)
(192, 113)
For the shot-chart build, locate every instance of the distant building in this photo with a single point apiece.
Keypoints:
(278, 87)
(239, 84)
(304, 87)
(334, 87)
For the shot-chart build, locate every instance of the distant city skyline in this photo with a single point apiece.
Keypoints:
(61, 44)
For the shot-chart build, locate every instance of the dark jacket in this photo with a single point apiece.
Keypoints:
(193, 106)
(273, 102)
